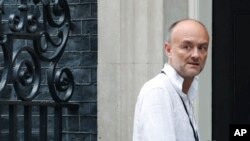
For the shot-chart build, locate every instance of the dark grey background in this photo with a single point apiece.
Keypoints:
(81, 56)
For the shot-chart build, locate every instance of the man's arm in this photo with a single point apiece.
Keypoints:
(156, 115)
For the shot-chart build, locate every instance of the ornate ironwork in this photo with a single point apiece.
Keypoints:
(22, 64)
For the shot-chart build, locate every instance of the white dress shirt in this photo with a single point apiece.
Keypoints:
(160, 114)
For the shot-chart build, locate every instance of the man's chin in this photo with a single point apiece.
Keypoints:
(193, 73)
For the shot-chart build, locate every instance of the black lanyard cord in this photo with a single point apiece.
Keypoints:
(195, 133)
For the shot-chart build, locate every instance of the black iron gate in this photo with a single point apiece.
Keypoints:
(43, 26)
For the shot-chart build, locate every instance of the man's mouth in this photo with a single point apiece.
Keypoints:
(194, 63)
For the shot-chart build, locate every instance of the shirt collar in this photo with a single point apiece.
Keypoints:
(177, 81)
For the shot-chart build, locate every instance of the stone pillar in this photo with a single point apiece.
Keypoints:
(130, 43)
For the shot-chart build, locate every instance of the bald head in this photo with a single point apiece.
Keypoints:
(185, 24)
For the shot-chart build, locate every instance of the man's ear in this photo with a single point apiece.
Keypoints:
(167, 49)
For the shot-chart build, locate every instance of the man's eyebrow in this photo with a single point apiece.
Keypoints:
(186, 42)
(203, 44)
(190, 42)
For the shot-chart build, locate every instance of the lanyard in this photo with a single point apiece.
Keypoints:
(195, 133)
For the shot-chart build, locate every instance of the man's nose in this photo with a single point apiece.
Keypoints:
(195, 53)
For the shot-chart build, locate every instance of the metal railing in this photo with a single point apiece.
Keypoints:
(44, 25)
(43, 119)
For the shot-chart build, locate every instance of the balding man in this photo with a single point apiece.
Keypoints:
(164, 108)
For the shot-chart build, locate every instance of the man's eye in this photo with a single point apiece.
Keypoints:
(203, 47)
(186, 47)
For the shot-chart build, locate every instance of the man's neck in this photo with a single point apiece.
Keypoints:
(186, 84)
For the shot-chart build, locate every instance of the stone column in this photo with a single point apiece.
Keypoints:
(130, 43)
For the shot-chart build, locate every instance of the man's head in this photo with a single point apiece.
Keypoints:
(187, 47)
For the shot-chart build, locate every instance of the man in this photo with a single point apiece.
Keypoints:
(164, 110)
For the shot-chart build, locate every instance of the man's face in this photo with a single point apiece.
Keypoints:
(187, 49)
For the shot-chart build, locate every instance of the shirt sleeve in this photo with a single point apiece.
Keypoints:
(157, 116)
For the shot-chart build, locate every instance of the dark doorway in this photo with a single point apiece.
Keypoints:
(231, 69)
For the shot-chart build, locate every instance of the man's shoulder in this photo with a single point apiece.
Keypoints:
(159, 82)
(156, 90)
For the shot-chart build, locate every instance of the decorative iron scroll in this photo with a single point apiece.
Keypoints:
(22, 64)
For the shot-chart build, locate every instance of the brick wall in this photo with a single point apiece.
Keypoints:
(81, 56)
